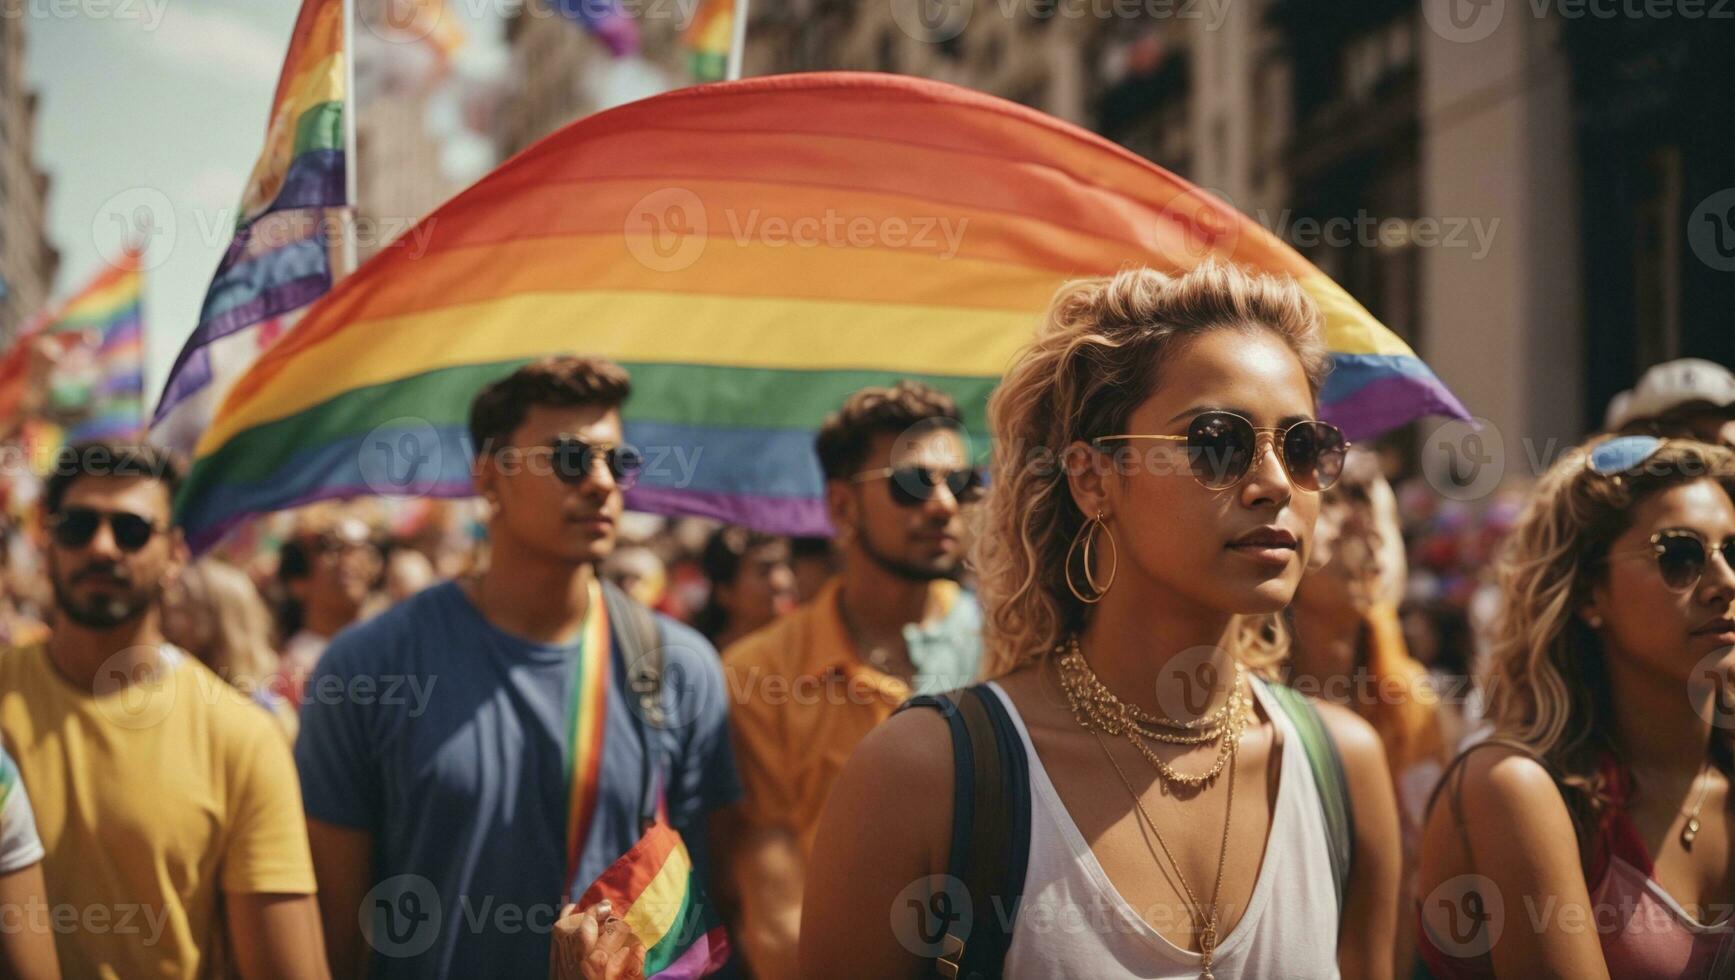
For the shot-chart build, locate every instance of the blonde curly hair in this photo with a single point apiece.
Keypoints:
(1546, 680)
(1097, 355)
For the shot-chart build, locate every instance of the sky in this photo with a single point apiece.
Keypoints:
(158, 108)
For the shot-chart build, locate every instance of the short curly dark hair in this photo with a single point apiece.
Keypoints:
(110, 459)
(847, 435)
(559, 381)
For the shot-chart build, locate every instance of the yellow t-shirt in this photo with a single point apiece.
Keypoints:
(151, 799)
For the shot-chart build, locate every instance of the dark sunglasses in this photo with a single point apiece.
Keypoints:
(574, 461)
(1682, 556)
(912, 486)
(1221, 448)
(75, 527)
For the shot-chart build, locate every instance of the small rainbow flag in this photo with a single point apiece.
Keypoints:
(606, 21)
(752, 252)
(290, 219)
(109, 310)
(655, 889)
(708, 40)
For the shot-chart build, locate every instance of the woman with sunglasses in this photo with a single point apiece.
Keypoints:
(1155, 486)
(1591, 835)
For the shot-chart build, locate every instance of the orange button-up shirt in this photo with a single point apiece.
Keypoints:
(800, 702)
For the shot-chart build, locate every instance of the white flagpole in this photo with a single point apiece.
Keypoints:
(738, 41)
(350, 252)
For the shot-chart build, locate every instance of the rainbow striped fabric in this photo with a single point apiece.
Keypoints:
(708, 39)
(606, 21)
(108, 310)
(586, 718)
(752, 252)
(654, 888)
(280, 258)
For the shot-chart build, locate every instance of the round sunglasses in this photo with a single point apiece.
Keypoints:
(573, 461)
(1222, 446)
(1682, 555)
(76, 527)
(912, 486)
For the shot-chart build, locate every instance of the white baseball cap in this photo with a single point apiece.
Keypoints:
(1672, 385)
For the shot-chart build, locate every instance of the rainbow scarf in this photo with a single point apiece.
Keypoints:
(586, 713)
(109, 308)
(290, 219)
(654, 888)
(752, 252)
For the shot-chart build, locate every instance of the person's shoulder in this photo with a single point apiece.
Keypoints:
(1356, 740)
(371, 643)
(685, 645)
(774, 647)
(1500, 781)
(236, 717)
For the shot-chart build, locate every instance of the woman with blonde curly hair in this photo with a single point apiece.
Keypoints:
(1131, 795)
(214, 612)
(1591, 835)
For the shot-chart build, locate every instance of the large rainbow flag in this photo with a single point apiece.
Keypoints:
(654, 888)
(289, 221)
(752, 252)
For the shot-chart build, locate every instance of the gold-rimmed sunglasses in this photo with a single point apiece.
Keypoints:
(1222, 446)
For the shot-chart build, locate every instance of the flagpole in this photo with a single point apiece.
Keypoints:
(352, 207)
(738, 40)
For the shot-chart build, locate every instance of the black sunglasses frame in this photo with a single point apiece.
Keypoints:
(76, 527)
(913, 486)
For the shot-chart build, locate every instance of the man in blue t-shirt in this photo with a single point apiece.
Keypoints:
(473, 758)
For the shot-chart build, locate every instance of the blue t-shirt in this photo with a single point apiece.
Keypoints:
(446, 739)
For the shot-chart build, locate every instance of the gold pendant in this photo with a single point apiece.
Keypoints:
(1690, 831)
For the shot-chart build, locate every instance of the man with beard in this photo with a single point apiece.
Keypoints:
(809, 686)
(166, 801)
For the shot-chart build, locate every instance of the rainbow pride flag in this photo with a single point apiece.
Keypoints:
(108, 311)
(752, 252)
(654, 888)
(708, 40)
(290, 218)
(606, 21)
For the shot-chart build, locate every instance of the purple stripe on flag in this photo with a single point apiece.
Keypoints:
(1384, 404)
(707, 955)
(793, 516)
(315, 179)
(257, 289)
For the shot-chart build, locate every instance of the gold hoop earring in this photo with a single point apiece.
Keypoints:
(1086, 536)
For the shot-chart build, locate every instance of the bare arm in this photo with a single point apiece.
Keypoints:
(276, 936)
(26, 940)
(766, 871)
(342, 864)
(1524, 855)
(886, 828)
(1366, 948)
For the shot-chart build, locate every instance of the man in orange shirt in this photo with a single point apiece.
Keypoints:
(805, 689)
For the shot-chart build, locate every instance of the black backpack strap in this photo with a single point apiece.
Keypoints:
(637, 639)
(1326, 764)
(990, 842)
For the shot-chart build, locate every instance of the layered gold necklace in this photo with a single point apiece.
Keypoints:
(1098, 711)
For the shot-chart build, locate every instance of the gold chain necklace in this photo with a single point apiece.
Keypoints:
(1205, 922)
(1097, 709)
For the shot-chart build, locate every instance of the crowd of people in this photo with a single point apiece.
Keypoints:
(1179, 684)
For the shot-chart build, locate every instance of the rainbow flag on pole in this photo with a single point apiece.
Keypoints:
(752, 252)
(290, 219)
(654, 888)
(708, 39)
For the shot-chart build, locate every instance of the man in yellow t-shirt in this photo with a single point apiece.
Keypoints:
(167, 803)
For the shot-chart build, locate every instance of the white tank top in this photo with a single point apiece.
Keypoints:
(1073, 923)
